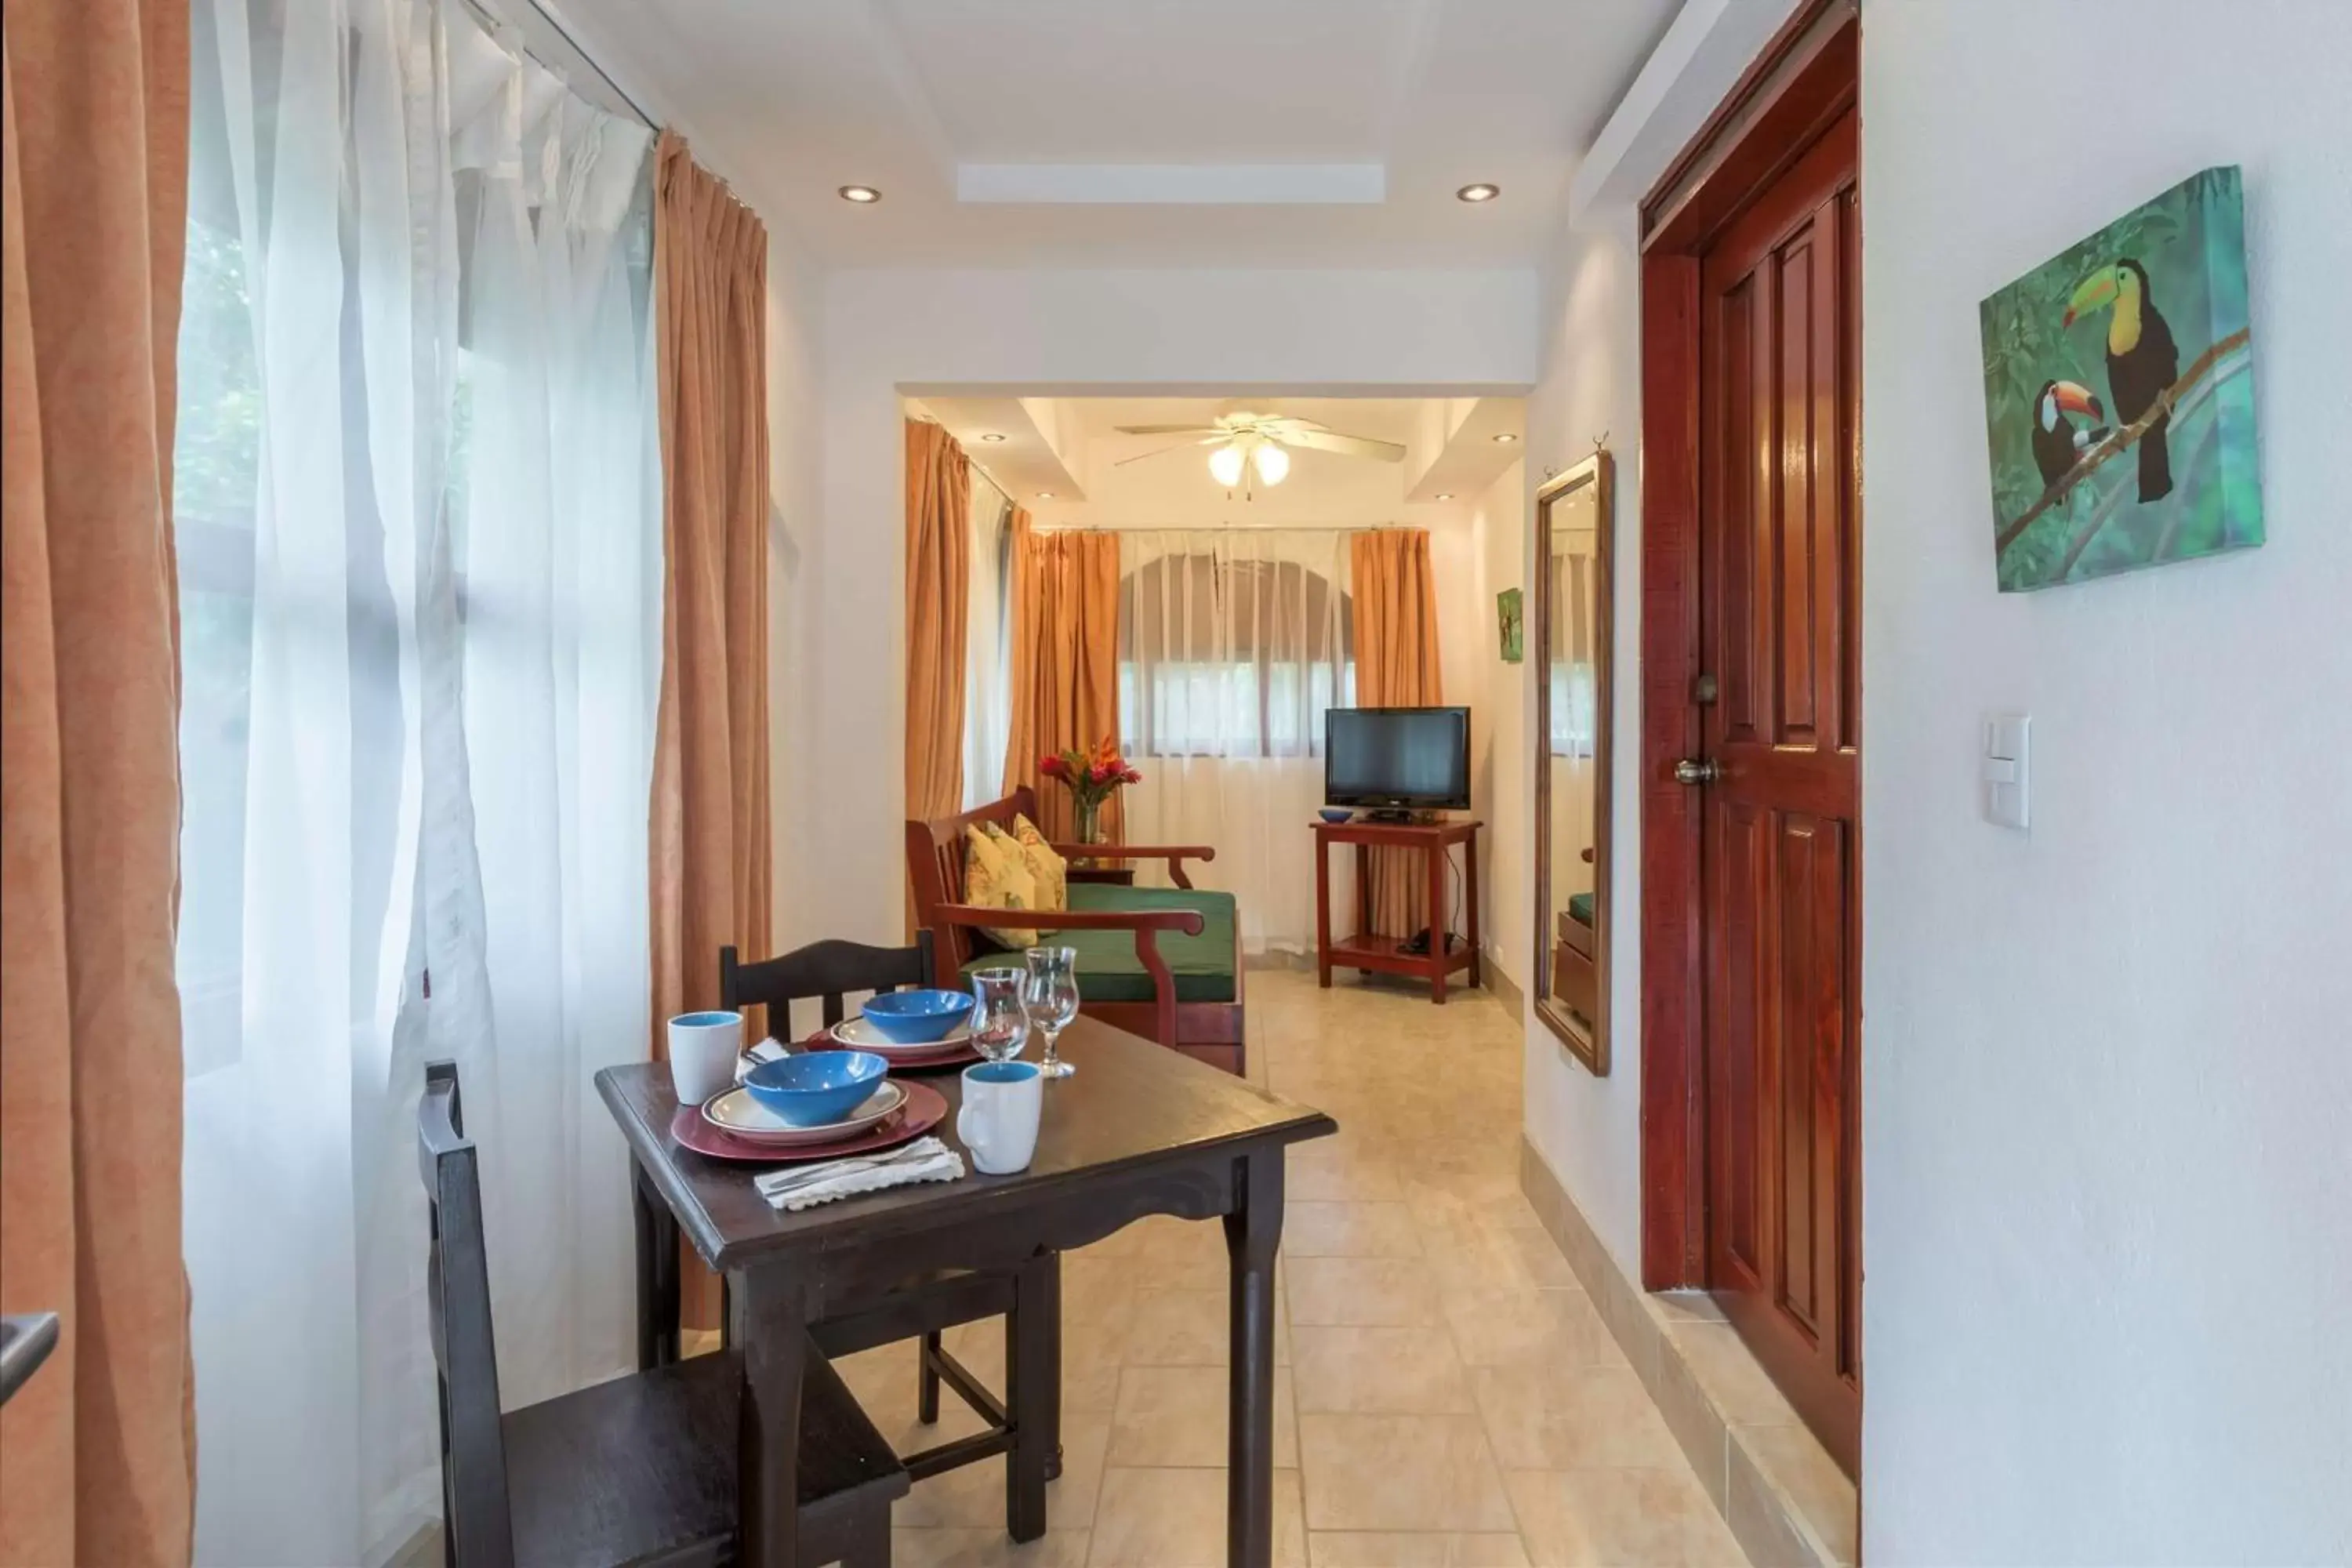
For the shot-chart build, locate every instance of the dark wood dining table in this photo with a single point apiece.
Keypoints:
(1138, 1130)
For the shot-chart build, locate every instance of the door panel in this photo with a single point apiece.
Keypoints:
(1777, 600)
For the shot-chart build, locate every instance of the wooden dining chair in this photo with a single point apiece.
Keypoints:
(1027, 1297)
(639, 1470)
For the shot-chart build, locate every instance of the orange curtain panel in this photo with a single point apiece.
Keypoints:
(1396, 667)
(1064, 661)
(96, 1453)
(712, 813)
(938, 578)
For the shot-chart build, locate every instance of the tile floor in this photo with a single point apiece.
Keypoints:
(1446, 1396)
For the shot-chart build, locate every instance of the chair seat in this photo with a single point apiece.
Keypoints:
(1108, 967)
(643, 1468)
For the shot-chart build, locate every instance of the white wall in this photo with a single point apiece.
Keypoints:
(887, 333)
(1589, 1129)
(1500, 788)
(2106, 1087)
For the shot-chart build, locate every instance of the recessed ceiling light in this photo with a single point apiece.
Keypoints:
(992, 437)
(1444, 495)
(867, 196)
(1482, 192)
(1505, 439)
(1044, 495)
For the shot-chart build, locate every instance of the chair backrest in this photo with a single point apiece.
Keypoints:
(828, 970)
(935, 866)
(476, 1524)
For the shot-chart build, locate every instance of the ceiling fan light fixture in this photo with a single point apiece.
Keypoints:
(862, 196)
(1226, 465)
(1481, 192)
(1272, 463)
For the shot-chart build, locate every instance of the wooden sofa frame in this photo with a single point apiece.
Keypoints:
(1208, 1031)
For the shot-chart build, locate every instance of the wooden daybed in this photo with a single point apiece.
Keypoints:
(1163, 963)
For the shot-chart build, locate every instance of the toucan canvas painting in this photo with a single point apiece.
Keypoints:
(2120, 396)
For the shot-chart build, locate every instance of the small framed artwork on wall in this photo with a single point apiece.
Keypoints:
(2120, 396)
(1511, 621)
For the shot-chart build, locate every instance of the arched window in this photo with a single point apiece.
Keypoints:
(1232, 643)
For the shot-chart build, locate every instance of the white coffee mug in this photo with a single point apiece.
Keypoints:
(702, 1051)
(1002, 1104)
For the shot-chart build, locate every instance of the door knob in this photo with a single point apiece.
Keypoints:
(1698, 771)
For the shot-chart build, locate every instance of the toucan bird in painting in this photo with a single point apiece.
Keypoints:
(2142, 360)
(2058, 442)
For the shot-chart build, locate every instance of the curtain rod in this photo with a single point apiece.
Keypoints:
(482, 10)
(1224, 528)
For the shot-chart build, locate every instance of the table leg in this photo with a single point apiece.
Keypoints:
(1253, 1231)
(772, 1330)
(1435, 862)
(1322, 912)
(1363, 890)
(657, 1273)
(1033, 1394)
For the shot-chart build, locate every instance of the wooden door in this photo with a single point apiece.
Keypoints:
(1780, 422)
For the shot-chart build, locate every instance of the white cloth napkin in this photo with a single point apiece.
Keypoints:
(767, 1050)
(805, 1186)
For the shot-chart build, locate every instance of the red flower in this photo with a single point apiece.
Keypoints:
(1129, 775)
(1052, 767)
(1099, 773)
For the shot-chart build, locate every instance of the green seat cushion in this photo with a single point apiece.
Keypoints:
(1580, 908)
(1109, 970)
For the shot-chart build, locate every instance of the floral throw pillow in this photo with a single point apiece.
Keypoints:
(997, 876)
(1050, 872)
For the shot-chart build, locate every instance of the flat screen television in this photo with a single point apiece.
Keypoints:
(1397, 758)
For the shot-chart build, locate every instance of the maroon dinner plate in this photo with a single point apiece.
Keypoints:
(924, 1109)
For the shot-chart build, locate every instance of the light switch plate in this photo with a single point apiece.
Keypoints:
(2008, 738)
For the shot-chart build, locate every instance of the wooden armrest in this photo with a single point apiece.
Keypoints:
(1186, 921)
(1174, 854)
(1134, 851)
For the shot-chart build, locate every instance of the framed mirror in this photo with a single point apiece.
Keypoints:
(1569, 636)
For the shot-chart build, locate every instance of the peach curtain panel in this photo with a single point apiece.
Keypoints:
(711, 811)
(938, 578)
(1396, 667)
(96, 1452)
(1064, 661)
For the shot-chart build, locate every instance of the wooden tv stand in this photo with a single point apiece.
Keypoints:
(1386, 954)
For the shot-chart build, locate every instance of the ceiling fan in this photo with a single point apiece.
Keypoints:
(1253, 443)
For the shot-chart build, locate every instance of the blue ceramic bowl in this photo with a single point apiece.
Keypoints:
(1335, 814)
(817, 1087)
(917, 1017)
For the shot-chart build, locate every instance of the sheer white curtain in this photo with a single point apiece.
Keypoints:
(987, 645)
(418, 513)
(1233, 644)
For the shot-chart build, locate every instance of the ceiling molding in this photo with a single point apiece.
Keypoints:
(1179, 184)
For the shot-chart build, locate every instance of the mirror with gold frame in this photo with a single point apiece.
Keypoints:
(1568, 634)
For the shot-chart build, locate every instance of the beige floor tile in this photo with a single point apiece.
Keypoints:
(1570, 1417)
(1403, 1371)
(1319, 1230)
(1393, 1292)
(1179, 1327)
(1176, 1416)
(1400, 1473)
(1176, 1518)
(986, 1549)
(1620, 1518)
(972, 1497)
(1510, 1328)
(1426, 1549)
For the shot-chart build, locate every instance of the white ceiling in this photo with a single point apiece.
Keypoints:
(1139, 132)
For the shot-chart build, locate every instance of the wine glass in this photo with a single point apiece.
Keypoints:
(1000, 1022)
(1052, 996)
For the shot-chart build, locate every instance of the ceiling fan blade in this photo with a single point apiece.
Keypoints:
(1346, 445)
(1217, 439)
(1168, 429)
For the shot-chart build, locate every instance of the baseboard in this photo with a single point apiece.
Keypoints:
(1503, 989)
(1785, 1498)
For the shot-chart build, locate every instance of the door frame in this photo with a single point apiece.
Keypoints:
(1806, 77)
